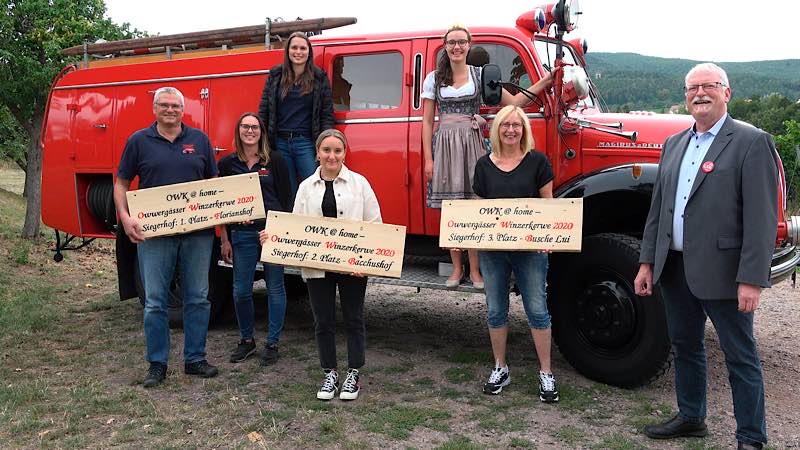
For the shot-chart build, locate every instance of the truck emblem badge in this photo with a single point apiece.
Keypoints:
(708, 166)
(263, 172)
(188, 149)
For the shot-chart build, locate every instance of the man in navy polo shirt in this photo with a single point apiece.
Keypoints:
(169, 152)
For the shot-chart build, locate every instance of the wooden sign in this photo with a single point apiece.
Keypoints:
(336, 245)
(184, 207)
(513, 224)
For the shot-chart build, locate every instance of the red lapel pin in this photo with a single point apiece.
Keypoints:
(708, 166)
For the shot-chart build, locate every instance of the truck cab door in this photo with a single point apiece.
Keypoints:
(371, 98)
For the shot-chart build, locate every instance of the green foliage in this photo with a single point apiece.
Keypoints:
(628, 81)
(789, 148)
(13, 140)
(32, 35)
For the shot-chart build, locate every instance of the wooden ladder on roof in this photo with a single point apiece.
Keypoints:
(225, 38)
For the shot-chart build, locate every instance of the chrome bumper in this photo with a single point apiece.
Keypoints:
(784, 262)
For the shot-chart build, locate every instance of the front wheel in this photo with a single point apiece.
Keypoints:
(602, 328)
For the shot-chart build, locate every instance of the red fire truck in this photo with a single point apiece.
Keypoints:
(601, 327)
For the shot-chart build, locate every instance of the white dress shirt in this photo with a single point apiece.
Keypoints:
(699, 143)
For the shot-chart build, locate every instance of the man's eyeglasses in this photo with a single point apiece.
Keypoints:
(245, 127)
(169, 105)
(459, 42)
(707, 87)
(512, 125)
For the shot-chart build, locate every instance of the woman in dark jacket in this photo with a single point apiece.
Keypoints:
(240, 245)
(296, 105)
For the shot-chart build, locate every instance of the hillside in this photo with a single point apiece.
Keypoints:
(629, 81)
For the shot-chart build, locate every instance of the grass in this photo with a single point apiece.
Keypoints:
(399, 421)
(62, 319)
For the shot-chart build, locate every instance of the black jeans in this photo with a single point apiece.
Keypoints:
(322, 293)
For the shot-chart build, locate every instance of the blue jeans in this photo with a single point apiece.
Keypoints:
(301, 158)
(686, 321)
(158, 258)
(246, 253)
(530, 270)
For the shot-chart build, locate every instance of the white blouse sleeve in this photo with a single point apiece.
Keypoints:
(428, 90)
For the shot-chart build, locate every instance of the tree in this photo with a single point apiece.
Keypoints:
(32, 34)
(789, 148)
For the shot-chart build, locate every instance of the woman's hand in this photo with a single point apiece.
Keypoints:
(357, 274)
(428, 169)
(262, 237)
(227, 252)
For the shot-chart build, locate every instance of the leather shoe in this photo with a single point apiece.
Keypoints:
(676, 427)
(745, 446)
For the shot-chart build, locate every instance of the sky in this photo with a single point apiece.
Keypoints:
(705, 30)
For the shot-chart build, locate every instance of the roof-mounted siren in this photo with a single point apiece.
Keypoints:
(576, 85)
(580, 46)
(535, 21)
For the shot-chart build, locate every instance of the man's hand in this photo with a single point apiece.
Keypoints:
(749, 296)
(133, 230)
(227, 252)
(643, 284)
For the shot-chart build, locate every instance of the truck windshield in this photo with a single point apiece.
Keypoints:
(546, 50)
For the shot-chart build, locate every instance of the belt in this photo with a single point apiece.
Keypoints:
(293, 134)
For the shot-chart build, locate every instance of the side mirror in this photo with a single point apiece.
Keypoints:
(490, 84)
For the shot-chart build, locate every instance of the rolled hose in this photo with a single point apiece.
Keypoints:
(100, 201)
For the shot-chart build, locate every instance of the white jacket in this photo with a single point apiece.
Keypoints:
(355, 200)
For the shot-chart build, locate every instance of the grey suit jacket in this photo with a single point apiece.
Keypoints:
(730, 221)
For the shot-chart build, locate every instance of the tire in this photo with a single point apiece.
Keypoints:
(220, 292)
(605, 331)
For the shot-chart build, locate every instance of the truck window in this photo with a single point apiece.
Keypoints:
(362, 82)
(511, 66)
(547, 54)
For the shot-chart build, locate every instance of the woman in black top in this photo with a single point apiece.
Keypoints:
(240, 243)
(296, 105)
(512, 170)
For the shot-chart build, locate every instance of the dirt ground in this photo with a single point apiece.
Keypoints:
(454, 321)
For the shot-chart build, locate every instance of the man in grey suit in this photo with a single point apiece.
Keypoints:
(708, 244)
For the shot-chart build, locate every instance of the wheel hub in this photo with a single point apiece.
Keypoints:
(605, 315)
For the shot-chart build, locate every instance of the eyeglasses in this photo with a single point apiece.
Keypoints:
(459, 42)
(707, 87)
(246, 127)
(511, 125)
(169, 105)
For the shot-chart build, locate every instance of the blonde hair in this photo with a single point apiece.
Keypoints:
(527, 142)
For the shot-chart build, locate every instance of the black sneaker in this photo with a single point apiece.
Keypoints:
(498, 379)
(201, 368)
(269, 355)
(329, 385)
(155, 374)
(548, 392)
(243, 350)
(351, 386)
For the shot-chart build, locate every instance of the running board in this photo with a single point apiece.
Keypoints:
(420, 274)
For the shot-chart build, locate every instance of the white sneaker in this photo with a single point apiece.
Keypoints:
(351, 386)
(329, 386)
(499, 379)
(548, 392)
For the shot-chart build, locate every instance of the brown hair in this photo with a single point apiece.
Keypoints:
(306, 79)
(444, 72)
(328, 133)
(263, 143)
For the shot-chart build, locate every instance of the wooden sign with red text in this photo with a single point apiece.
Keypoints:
(184, 207)
(336, 245)
(513, 224)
